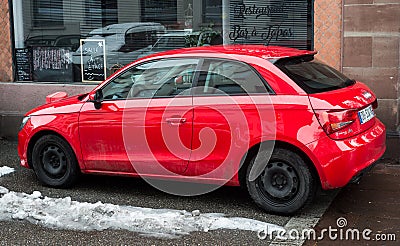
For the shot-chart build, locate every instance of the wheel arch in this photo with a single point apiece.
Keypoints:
(277, 144)
(40, 134)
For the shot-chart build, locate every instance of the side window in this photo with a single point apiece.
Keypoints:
(229, 77)
(134, 41)
(162, 78)
(138, 40)
(119, 88)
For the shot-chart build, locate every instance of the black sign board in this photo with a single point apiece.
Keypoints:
(93, 62)
(52, 64)
(23, 60)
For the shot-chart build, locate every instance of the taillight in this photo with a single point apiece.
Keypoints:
(375, 104)
(337, 122)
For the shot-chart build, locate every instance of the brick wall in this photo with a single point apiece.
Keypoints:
(328, 31)
(6, 72)
(371, 52)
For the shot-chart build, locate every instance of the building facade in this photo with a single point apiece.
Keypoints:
(71, 45)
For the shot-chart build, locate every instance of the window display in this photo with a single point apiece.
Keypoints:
(88, 40)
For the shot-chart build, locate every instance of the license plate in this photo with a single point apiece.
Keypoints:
(366, 114)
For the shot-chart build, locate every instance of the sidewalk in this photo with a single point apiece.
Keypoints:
(372, 204)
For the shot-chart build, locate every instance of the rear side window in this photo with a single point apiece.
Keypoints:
(313, 76)
(221, 77)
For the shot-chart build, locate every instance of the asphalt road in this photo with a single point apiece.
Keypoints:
(231, 201)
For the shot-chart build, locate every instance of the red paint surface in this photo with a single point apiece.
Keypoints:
(108, 139)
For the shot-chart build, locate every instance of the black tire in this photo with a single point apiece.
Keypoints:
(54, 162)
(286, 184)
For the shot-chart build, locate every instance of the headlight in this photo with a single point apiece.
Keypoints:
(24, 120)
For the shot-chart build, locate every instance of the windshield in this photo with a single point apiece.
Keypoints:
(313, 76)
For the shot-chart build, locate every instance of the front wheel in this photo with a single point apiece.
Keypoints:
(285, 185)
(54, 162)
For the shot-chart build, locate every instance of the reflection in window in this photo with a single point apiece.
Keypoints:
(164, 78)
(313, 76)
(229, 77)
(133, 29)
(48, 13)
(212, 12)
(164, 12)
(101, 12)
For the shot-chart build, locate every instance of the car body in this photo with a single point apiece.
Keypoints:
(269, 118)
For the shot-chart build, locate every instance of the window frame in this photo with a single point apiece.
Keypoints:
(195, 77)
(268, 88)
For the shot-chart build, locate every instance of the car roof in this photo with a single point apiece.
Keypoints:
(262, 51)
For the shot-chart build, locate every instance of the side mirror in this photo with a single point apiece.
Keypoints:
(97, 98)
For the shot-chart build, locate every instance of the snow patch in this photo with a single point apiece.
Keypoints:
(63, 213)
(5, 170)
(3, 190)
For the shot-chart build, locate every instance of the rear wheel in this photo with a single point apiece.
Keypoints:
(54, 162)
(285, 185)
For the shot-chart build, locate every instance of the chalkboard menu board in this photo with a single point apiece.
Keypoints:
(52, 64)
(23, 59)
(93, 60)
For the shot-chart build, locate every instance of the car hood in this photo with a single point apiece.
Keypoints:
(65, 106)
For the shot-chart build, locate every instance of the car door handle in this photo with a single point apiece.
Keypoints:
(176, 121)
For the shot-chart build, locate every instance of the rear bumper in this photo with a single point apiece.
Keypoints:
(359, 175)
(340, 161)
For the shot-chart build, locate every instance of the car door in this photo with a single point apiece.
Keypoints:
(144, 124)
(226, 117)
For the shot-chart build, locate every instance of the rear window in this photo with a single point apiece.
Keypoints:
(313, 76)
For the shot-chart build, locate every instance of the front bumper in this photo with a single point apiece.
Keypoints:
(22, 148)
(340, 161)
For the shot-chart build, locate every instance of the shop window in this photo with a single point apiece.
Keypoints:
(86, 41)
(139, 40)
(164, 12)
(212, 12)
(101, 12)
(48, 13)
(274, 22)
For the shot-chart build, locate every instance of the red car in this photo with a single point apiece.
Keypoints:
(271, 119)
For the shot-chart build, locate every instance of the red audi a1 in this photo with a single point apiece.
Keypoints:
(271, 119)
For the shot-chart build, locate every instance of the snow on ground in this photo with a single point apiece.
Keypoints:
(5, 170)
(63, 213)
